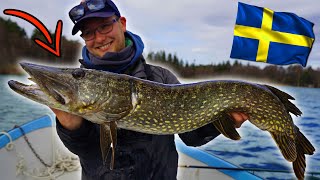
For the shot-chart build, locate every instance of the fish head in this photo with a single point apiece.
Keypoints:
(75, 90)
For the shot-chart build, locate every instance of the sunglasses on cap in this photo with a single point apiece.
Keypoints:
(77, 12)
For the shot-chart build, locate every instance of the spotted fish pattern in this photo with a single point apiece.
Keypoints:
(169, 109)
(121, 101)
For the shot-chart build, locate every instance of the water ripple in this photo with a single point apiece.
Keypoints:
(313, 125)
(270, 166)
(233, 154)
(259, 149)
(308, 118)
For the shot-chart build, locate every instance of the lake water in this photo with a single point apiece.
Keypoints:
(256, 149)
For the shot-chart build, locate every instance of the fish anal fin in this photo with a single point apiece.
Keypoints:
(304, 143)
(286, 145)
(226, 127)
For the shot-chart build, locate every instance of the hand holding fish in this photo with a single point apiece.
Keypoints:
(67, 120)
(239, 118)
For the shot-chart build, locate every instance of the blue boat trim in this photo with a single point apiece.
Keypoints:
(214, 161)
(195, 153)
(16, 133)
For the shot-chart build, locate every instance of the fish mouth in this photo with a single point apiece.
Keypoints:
(46, 89)
(28, 90)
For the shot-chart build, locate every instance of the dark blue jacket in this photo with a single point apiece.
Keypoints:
(138, 155)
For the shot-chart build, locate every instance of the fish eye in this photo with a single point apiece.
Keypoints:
(78, 73)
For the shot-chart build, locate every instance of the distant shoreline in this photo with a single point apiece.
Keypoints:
(10, 70)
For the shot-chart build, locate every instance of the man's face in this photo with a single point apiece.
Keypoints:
(114, 41)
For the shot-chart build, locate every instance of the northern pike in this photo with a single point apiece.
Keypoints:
(122, 101)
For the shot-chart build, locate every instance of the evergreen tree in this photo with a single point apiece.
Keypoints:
(170, 60)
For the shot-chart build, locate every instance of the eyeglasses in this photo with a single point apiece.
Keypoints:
(105, 28)
(78, 11)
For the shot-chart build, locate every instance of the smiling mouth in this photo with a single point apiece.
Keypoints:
(104, 47)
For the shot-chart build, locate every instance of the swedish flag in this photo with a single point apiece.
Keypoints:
(263, 35)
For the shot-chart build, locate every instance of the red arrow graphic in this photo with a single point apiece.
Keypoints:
(39, 25)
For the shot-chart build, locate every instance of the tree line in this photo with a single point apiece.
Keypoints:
(293, 75)
(16, 45)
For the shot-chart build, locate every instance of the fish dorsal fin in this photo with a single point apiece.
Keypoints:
(286, 144)
(108, 137)
(226, 127)
(284, 98)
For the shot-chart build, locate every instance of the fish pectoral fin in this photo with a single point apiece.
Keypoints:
(113, 134)
(226, 127)
(108, 137)
(105, 141)
(286, 145)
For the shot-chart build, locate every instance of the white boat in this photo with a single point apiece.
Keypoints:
(196, 164)
(34, 151)
(20, 147)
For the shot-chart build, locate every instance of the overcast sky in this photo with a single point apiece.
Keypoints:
(194, 30)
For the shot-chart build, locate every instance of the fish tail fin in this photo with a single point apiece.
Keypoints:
(284, 98)
(299, 165)
(286, 145)
(303, 147)
(226, 127)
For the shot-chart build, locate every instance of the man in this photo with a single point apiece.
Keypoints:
(110, 47)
